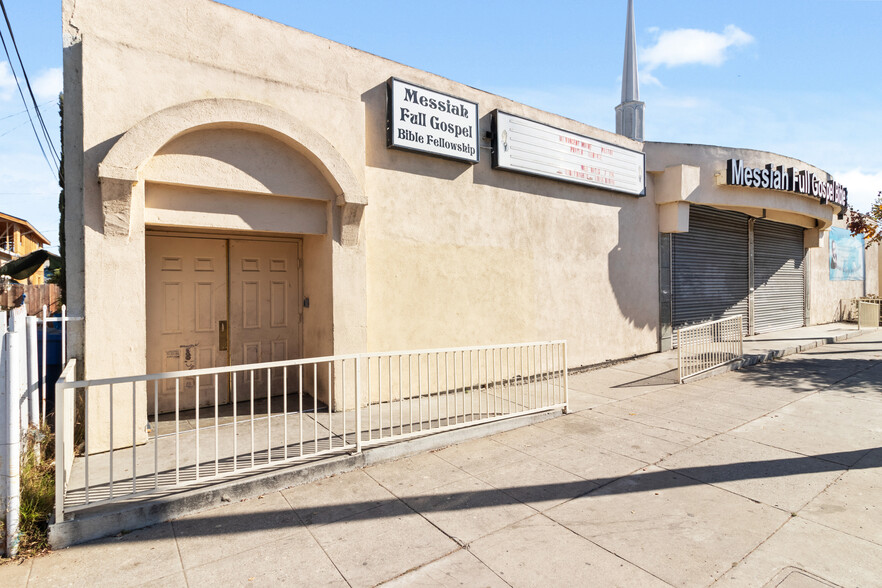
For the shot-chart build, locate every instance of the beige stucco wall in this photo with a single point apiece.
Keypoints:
(491, 265)
(448, 254)
(827, 297)
(874, 270)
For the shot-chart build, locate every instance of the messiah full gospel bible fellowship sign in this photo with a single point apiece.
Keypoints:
(419, 119)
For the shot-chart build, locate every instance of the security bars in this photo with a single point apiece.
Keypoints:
(256, 417)
(703, 347)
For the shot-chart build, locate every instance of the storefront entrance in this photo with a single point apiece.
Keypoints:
(214, 302)
(710, 268)
(729, 263)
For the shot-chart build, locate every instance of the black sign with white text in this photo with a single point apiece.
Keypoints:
(787, 180)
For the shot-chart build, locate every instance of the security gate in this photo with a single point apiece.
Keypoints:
(729, 264)
(710, 267)
(778, 276)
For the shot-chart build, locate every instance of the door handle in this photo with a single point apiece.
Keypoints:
(222, 336)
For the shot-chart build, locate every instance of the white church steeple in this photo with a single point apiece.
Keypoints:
(629, 114)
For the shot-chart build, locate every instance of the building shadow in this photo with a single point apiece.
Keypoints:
(662, 379)
(817, 371)
(217, 524)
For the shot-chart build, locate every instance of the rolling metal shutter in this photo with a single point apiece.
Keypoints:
(710, 268)
(778, 276)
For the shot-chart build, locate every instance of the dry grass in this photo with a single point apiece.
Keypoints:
(37, 491)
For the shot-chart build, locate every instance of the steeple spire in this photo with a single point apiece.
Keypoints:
(629, 114)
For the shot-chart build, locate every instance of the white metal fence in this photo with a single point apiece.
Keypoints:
(65, 421)
(24, 380)
(13, 420)
(705, 346)
(233, 420)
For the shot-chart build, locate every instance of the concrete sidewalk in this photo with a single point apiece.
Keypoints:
(771, 475)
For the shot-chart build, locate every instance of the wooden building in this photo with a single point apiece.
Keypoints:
(18, 238)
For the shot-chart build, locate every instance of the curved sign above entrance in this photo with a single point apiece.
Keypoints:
(787, 180)
(419, 119)
(529, 147)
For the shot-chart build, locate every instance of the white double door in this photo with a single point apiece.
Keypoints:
(215, 302)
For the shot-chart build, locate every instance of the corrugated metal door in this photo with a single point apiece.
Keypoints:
(778, 276)
(710, 268)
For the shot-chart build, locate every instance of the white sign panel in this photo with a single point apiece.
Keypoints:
(529, 147)
(423, 120)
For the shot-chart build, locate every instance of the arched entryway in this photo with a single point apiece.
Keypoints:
(228, 214)
(267, 191)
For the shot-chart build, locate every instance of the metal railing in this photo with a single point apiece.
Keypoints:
(708, 345)
(233, 420)
(65, 423)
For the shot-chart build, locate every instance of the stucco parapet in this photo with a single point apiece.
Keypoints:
(656, 150)
(711, 161)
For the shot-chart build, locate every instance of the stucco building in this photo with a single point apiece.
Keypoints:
(240, 191)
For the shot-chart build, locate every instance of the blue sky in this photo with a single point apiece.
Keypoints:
(795, 77)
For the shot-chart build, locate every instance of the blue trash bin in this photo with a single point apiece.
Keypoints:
(53, 361)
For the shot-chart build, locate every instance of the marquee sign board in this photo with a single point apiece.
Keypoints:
(529, 147)
(787, 180)
(419, 119)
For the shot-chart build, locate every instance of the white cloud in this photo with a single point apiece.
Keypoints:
(49, 84)
(862, 187)
(647, 79)
(692, 46)
(7, 82)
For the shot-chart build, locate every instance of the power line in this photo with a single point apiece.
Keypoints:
(13, 128)
(3, 134)
(20, 93)
(46, 135)
(24, 72)
(25, 110)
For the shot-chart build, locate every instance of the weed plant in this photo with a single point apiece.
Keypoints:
(37, 490)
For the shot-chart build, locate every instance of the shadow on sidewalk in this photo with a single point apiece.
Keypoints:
(663, 379)
(215, 523)
(807, 371)
(816, 370)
